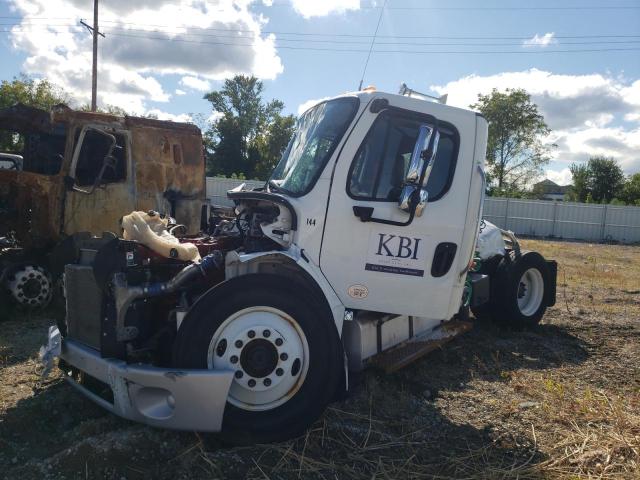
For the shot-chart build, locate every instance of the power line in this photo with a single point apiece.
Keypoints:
(348, 50)
(405, 7)
(307, 34)
(288, 47)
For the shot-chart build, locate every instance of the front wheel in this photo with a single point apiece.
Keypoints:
(285, 353)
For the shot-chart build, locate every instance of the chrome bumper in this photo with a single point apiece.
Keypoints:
(161, 397)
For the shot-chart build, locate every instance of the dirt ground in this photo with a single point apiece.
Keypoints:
(558, 401)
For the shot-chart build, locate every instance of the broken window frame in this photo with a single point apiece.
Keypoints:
(77, 148)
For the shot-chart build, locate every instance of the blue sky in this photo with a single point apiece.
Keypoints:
(161, 56)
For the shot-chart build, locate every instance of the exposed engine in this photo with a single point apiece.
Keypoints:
(119, 290)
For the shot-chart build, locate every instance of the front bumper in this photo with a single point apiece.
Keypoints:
(167, 398)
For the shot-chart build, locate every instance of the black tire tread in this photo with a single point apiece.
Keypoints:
(291, 419)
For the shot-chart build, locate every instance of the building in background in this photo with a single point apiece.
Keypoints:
(550, 190)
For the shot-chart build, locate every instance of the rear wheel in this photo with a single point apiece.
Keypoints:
(518, 292)
(285, 353)
(30, 286)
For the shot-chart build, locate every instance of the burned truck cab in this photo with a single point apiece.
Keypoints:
(65, 171)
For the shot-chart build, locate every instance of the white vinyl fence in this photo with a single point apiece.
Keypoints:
(536, 218)
(578, 221)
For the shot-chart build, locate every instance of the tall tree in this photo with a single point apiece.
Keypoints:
(599, 180)
(516, 152)
(631, 190)
(33, 93)
(581, 182)
(250, 134)
(607, 178)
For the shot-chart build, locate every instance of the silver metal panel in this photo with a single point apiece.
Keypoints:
(166, 398)
(360, 337)
(579, 221)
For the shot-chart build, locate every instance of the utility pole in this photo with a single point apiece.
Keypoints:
(94, 71)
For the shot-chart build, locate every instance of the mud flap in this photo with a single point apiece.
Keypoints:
(550, 290)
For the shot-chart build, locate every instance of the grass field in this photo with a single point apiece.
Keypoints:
(559, 401)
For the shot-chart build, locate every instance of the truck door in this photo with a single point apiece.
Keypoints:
(99, 195)
(383, 265)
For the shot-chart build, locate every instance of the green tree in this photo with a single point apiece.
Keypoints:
(631, 190)
(605, 178)
(33, 93)
(516, 152)
(581, 177)
(250, 134)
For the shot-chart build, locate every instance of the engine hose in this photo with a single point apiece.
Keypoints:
(126, 295)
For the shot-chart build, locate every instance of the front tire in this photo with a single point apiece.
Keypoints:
(283, 345)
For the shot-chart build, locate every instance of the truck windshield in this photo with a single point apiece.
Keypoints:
(318, 133)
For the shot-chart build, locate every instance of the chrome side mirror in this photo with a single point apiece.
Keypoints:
(422, 202)
(416, 165)
(407, 196)
(414, 195)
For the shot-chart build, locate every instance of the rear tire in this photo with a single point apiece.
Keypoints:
(284, 346)
(519, 292)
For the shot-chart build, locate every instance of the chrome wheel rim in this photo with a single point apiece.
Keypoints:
(530, 292)
(267, 350)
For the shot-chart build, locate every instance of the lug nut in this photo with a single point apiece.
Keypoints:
(266, 334)
(239, 374)
(222, 347)
(238, 343)
(283, 356)
(279, 372)
(278, 341)
(234, 359)
(251, 333)
(267, 382)
(252, 383)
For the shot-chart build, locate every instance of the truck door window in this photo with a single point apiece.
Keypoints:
(379, 167)
(36, 152)
(92, 153)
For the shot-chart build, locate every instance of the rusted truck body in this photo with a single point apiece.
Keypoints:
(76, 171)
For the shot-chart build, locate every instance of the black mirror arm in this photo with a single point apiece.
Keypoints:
(365, 214)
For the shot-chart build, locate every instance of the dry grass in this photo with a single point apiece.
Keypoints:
(560, 401)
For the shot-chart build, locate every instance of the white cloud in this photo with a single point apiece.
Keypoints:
(196, 83)
(593, 114)
(321, 8)
(561, 177)
(161, 115)
(540, 40)
(304, 106)
(135, 54)
(180, 92)
(617, 142)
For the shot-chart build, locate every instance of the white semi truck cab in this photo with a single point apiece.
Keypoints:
(361, 250)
